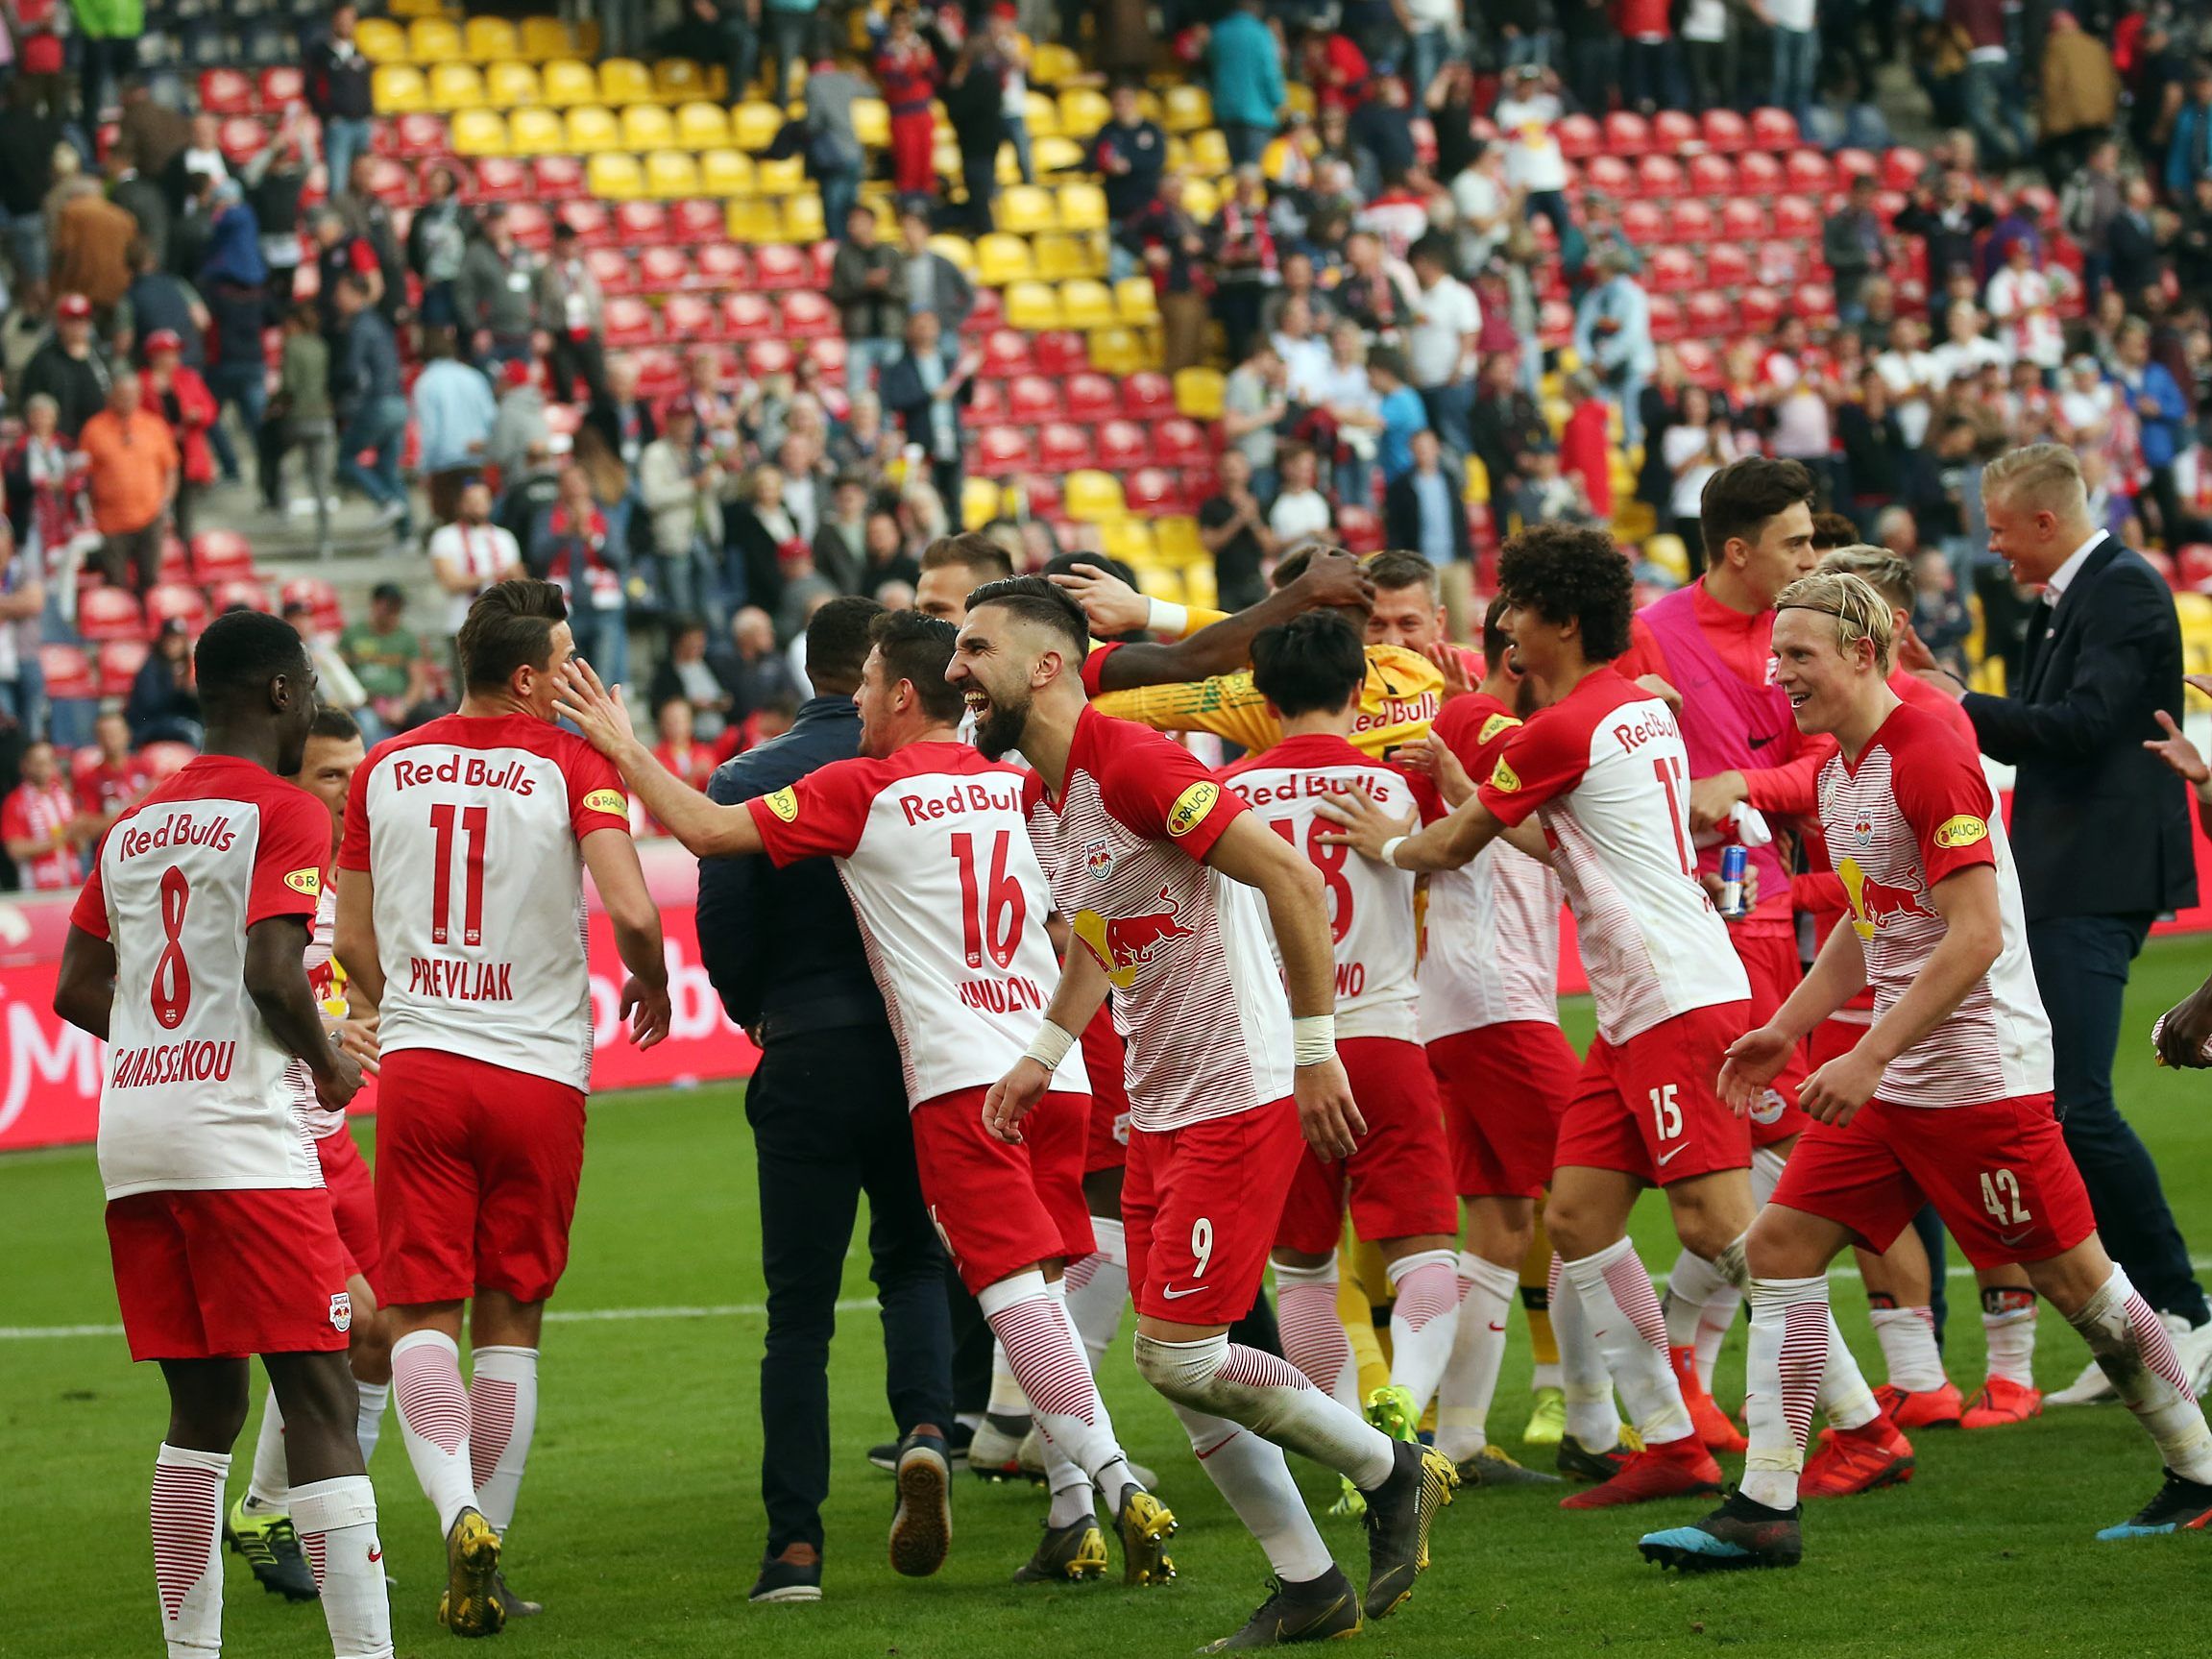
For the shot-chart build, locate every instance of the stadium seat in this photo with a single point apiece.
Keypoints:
(1626, 135)
(647, 127)
(688, 317)
(1814, 301)
(398, 89)
(1727, 265)
(828, 354)
(1725, 131)
(176, 601)
(780, 174)
(696, 222)
(746, 317)
(1200, 200)
(1061, 351)
(1025, 209)
(488, 39)
(592, 130)
(1002, 258)
(532, 226)
(1210, 154)
(1742, 220)
(1643, 223)
(1154, 492)
(630, 322)
(1057, 156)
(809, 315)
(1135, 305)
(986, 402)
(754, 126)
(1700, 363)
(1033, 305)
(226, 92)
(1062, 257)
(1902, 168)
(802, 220)
(1670, 270)
(540, 39)
(981, 501)
(1707, 315)
(1667, 318)
(119, 663)
(435, 40)
(1757, 309)
(1003, 451)
(723, 266)
(568, 83)
(1032, 400)
(1673, 133)
(1122, 446)
(680, 80)
(1809, 173)
(670, 174)
(1120, 351)
(109, 614)
(1359, 531)
(1082, 207)
(1084, 110)
(1198, 393)
(1090, 398)
(1007, 352)
(381, 40)
(455, 87)
(1712, 176)
(1578, 136)
(660, 270)
(67, 673)
(1148, 397)
(511, 85)
(777, 268)
(1088, 304)
(281, 85)
(1796, 218)
(702, 126)
(614, 178)
(1690, 220)
(529, 133)
(1094, 498)
(240, 138)
(1773, 130)
(1051, 64)
(418, 135)
(241, 592)
(1183, 443)
(1659, 178)
(1176, 537)
(1062, 448)
(219, 556)
(641, 225)
(1758, 173)
(625, 80)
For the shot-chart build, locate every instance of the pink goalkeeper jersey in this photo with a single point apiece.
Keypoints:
(1196, 992)
(1915, 810)
(471, 829)
(934, 853)
(1605, 772)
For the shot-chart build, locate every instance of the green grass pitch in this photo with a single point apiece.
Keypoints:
(640, 1528)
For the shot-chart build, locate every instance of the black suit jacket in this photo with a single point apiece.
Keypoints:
(2099, 825)
(1402, 515)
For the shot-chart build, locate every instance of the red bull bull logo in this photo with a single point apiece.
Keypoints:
(1123, 943)
(1874, 902)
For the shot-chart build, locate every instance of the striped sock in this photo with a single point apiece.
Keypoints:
(434, 1420)
(2136, 1352)
(502, 1417)
(186, 1511)
(1031, 1324)
(1789, 1330)
(1631, 1332)
(1313, 1337)
(1583, 1379)
(1098, 1288)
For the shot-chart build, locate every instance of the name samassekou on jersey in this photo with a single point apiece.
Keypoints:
(454, 980)
(166, 1063)
(472, 771)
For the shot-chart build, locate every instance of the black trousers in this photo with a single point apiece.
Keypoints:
(2082, 968)
(829, 1116)
(572, 360)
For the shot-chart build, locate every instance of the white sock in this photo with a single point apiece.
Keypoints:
(1628, 1329)
(1218, 1378)
(270, 1480)
(1766, 1167)
(1253, 1478)
(1007, 1398)
(1909, 1350)
(369, 1425)
(1423, 1321)
(1789, 1338)
(1477, 1349)
(1313, 1337)
(1713, 1328)
(1098, 1288)
(1845, 1400)
(336, 1521)
(187, 1512)
(434, 1420)
(1040, 1343)
(1583, 1383)
(2136, 1350)
(1693, 1282)
(502, 1416)
(2008, 1322)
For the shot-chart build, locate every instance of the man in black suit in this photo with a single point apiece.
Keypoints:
(1422, 510)
(2100, 836)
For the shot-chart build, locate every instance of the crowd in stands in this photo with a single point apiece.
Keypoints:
(746, 312)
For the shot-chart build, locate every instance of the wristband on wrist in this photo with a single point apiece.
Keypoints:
(1313, 1038)
(1050, 1046)
(1166, 617)
(1390, 850)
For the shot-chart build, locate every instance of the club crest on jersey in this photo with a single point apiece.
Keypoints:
(1098, 856)
(305, 881)
(341, 1312)
(1124, 943)
(1863, 831)
(1769, 1107)
(1191, 808)
(1964, 830)
(1491, 726)
(785, 804)
(1503, 778)
(607, 801)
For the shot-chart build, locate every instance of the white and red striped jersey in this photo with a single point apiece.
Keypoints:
(328, 981)
(934, 852)
(1369, 905)
(199, 1094)
(472, 830)
(1915, 810)
(1491, 955)
(1195, 993)
(1605, 772)
(34, 815)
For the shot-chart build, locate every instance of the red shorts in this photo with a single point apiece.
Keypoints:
(1504, 1087)
(1770, 963)
(1652, 1107)
(1109, 1144)
(998, 1207)
(1199, 1208)
(1832, 1039)
(1998, 1175)
(476, 1173)
(352, 1201)
(222, 1274)
(1399, 1185)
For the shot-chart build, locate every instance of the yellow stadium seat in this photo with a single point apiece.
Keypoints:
(755, 125)
(1136, 302)
(1041, 116)
(1478, 481)
(958, 251)
(530, 133)
(726, 172)
(398, 89)
(1299, 96)
(1198, 586)
(1084, 110)
(381, 40)
(1082, 207)
(1158, 582)
(1198, 393)
(780, 177)
(877, 200)
(592, 130)
(648, 127)
(1117, 351)
(979, 502)
(614, 177)
(626, 81)
(481, 132)
(1210, 154)
(1188, 108)
(678, 79)
(670, 174)
(433, 40)
(1025, 209)
(1094, 498)
(511, 85)
(702, 126)
(456, 86)
(872, 123)
(1061, 256)
(802, 220)
(1148, 105)
(1178, 540)
(491, 39)
(1051, 64)
(545, 38)
(1200, 200)
(569, 84)
(1057, 156)
(945, 158)
(1670, 554)
(1033, 306)
(1002, 258)
(1132, 541)
(752, 220)
(1087, 304)
(1178, 158)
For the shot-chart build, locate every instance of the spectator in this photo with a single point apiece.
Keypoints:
(1347, 397)
(2080, 95)
(386, 657)
(1877, 460)
(933, 281)
(1852, 243)
(2090, 202)
(1130, 152)
(339, 254)
(495, 293)
(1613, 337)
(1245, 263)
(762, 538)
(571, 547)
(1422, 511)
(622, 419)
(1244, 63)
(36, 28)
(1444, 322)
(25, 326)
(840, 541)
(2132, 253)
(1948, 220)
(158, 301)
(685, 675)
(117, 779)
(22, 606)
(973, 96)
(1939, 621)
(835, 160)
(272, 181)
(526, 491)
(1698, 445)
(71, 368)
(93, 240)
(1302, 347)
(303, 418)
(1300, 509)
(437, 243)
(907, 74)
(2189, 148)
(367, 218)
(1710, 34)
(164, 701)
(1533, 163)
(867, 285)
(1233, 526)
(1169, 244)
(1548, 495)
(2023, 299)
(1795, 47)
(887, 561)
(1651, 70)
(45, 487)
(519, 424)
(1484, 206)
(2161, 414)
(1255, 403)
(471, 553)
(338, 78)
(680, 485)
(41, 825)
(454, 412)
(573, 312)
(27, 141)
(201, 158)
(679, 750)
(927, 388)
(1584, 452)
(1966, 351)
(369, 405)
(131, 467)
(1397, 408)
(180, 396)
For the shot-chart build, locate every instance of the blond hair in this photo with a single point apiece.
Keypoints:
(1885, 572)
(2038, 477)
(1859, 612)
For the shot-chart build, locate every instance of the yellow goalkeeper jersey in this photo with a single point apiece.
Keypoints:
(1402, 694)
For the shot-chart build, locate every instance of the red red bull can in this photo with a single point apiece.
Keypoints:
(1732, 863)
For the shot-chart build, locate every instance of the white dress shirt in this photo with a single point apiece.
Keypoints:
(2064, 576)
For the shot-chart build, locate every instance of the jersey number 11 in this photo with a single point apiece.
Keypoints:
(472, 821)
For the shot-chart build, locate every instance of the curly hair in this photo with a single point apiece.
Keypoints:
(1568, 573)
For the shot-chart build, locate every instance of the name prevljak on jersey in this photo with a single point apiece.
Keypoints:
(458, 980)
(975, 797)
(472, 773)
(178, 829)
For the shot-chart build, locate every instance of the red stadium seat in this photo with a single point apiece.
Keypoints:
(1579, 136)
(1712, 176)
(688, 317)
(1726, 132)
(988, 312)
(532, 226)
(778, 269)
(828, 354)
(1758, 309)
(1707, 315)
(1033, 399)
(1670, 270)
(1782, 264)
(1814, 301)
(1699, 363)
(1555, 323)
(1090, 398)
(503, 178)
(284, 83)
(1004, 451)
(1609, 174)
(2164, 566)
(721, 265)
(1690, 220)
(809, 315)
(1358, 530)
(418, 135)
(1673, 133)
(1062, 448)
(1062, 352)
(616, 274)
(1007, 353)
(1643, 223)
(557, 179)
(1901, 168)
(697, 220)
(1627, 133)
(1742, 220)
(1666, 320)
(67, 673)
(120, 661)
(2193, 565)
(391, 182)
(1041, 496)
(630, 322)
(240, 139)
(166, 759)
(1147, 397)
(986, 402)
(220, 555)
(1809, 173)
(1773, 130)
(661, 269)
(747, 316)
(1796, 218)
(241, 592)
(315, 592)
(766, 357)
(1659, 178)
(226, 92)
(592, 224)
(1180, 443)
(1758, 173)
(177, 601)
(1122, 446)
(2039, 200)
(642, 225)
(1853, 164)
(1154, 492)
